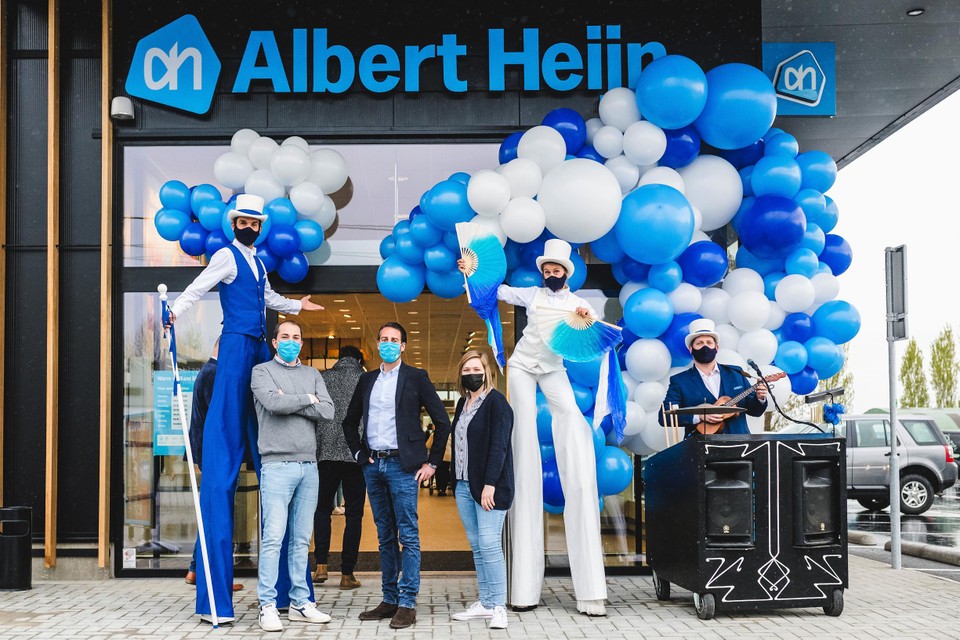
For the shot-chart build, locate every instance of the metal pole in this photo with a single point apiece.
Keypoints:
(894, 460)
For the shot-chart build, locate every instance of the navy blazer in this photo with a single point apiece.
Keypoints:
(489, 451)
(687, 389)
(414, 390)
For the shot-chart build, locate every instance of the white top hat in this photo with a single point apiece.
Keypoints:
(247, 206)
(558, 252)
(701, 327)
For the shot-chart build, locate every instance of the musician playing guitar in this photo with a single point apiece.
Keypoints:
(710, 382)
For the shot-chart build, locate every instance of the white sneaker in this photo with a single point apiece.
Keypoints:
(270, 618)
(499, 618)
(307, 613)
(592, 607)
(475, 611)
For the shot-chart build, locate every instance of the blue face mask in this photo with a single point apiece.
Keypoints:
(389, 351)
(288, 350)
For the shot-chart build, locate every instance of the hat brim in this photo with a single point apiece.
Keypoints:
(693, 336)
(245, 213)
(566, 264)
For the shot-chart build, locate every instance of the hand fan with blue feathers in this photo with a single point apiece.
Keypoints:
(485, 268)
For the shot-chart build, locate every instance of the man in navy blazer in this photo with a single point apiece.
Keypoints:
(707, 380)
(395, 461)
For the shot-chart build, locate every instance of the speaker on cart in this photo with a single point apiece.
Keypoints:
(729, 509)
(816, 502)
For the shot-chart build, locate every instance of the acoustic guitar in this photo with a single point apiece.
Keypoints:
(726, 401)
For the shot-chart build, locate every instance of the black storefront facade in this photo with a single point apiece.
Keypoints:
(456, 76)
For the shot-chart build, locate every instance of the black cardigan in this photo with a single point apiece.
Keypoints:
(489, 451)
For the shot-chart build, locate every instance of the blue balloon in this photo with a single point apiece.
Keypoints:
(674, 337)
(512, 251)
(283, 241)
(281, 212)
(170, 223)
(583, 396)
(672, 91)
(584, 373)
(446, 205)
(628, 337)
(791, 357)
(525, 277)
(579, 271)
(635, 271)
(683, 147)
(265, 228)
(614, 471)
(408, 250)
(819, 170)
(837, 320)
(311, 235)
(589, 153)
(746, 179)
(782, 144)
(424, 233)
(294, 268)
(571, 126)
(770, 282)
(607, 248)
(606, 425)
(451, 241)
(417, 211)
(776, 175)
(703, 263)
(445, 285)
(648, 312)
(199, 195)
(508, 148)
(618, 273)
(828, 370)
(401, 229)
(460, 176)
(269, 260)
(544, 421)
(802, 262)
(552, 489)
(747, 260)
(176, 195)
(836, 253)
(440, 259)
(772, 131)
(388, 247)
(812, 202)
(741, 213)
(400, 281)
(773, 227)
(547, 452)
(655, 225)
(215, 241)
(741, 106)
(828, 219)
(797, 327)
(666, 277)
(744, 156)
(804, 382)
(211, 213)
(549, 508)
(599, 441)
(193, 239)
(814, 238)
(822, 354)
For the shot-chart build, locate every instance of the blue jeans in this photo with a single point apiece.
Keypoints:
(288, 490)
(484, 533)
(393, 503)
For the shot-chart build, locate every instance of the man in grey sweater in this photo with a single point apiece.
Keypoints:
(290, 399)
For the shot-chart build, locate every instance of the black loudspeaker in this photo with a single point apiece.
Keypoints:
(729, 502)
(816, 505)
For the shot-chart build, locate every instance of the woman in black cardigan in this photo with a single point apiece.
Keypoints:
(482, 475)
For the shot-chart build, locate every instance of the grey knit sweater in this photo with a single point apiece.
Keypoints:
(285, 411)
(341, 380)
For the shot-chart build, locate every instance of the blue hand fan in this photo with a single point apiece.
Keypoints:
(485, 268)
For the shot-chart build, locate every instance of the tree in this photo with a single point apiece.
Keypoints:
(842, 378)
(944, 368)
(913, 380)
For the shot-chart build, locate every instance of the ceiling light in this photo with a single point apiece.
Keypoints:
(472, 333)
(344, 310)
(281, 316)
(350, 321)
(414, 323)
(414, 332)
(330, 337)
(913, 13)
(347, 315)
(354, 327)
(412, 313)
(506, 322)
(340, 300)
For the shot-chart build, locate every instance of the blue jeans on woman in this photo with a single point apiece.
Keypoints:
(288, 490)
(484, 533)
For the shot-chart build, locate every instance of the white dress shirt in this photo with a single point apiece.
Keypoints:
(223, 268)
(712, 382)
(382, 414)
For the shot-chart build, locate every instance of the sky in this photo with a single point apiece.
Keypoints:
(903, 191)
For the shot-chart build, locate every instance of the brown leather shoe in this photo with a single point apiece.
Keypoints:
(191, 577)
(404, 618)
(237, 586)
(348, 582)
(381, 612)
(320, 575)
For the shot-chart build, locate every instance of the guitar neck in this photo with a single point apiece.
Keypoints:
(734, 400)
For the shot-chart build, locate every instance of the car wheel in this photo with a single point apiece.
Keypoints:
(874, 504)
(916, 494)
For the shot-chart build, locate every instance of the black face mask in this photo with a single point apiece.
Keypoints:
(471, 381)
(555, 283)
(704, 355)
(247, 235)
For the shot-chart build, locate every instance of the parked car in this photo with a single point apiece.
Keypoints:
(927, 467)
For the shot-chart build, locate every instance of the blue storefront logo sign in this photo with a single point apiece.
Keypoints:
(175, 66)
(804, 77)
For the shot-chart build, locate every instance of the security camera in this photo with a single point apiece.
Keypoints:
(121, 108)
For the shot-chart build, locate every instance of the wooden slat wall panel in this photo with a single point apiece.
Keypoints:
(106, 291)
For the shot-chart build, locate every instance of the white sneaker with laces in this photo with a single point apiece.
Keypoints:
(270, 618)
(499, 618)
(475, 611)
(307, 613)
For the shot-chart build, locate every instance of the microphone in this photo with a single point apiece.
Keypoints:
(753, 365)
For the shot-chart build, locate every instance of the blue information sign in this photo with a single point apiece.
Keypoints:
(167, 433)
(804, 77)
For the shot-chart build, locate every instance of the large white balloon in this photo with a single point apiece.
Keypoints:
(650, 395)
(241, 141)
(524, 177)
(749, 310)
(714, 187)
(777, 316)
(782, 389)
(648, 360)
(493, 224)
(644, 143)
(629, 289)
(795, 293)
(715, 304)
(307, 199)
(328, 170)
(825, 287)
(759, 346)
(327, 214)
(232, 169)
(618, 108)
(743, 279)
(636, 417)
(262, 183)
(593, 125)
(290, 165)
(626, 172)
(488, 192)
(581, 200)
(261, 152)
(727, 336)
(544, 145)
(663, 175)
(608, 142)
(686, 298)
(296, 141)
(732, 358)
(655, 435)
(523, 220)
(630, 383)
(698, 236)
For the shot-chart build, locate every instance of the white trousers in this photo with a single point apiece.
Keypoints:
(573, 443)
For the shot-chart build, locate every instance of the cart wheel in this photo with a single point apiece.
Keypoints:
(706, 605)
(661, 586)
(835, 606)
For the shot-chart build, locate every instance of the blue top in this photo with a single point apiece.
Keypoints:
(243, 303)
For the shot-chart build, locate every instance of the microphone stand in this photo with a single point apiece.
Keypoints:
(753, 365)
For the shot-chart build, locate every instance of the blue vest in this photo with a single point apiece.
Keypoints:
(244, 307)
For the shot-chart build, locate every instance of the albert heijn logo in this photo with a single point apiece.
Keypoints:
(176, 66)
(800, 78)
(804, 77)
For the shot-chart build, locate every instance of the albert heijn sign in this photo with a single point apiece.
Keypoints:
(177, 66)
(804, 77)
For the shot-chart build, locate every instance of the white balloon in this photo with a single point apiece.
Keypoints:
(795, 293)
(731, 358)
(290, 165)
(714, 187)
(663, 175)
(242, 139)
(759, 345)
(636, 417)
(654, 434)
(232, 169)
(825, 287)
(697, 217)
(635, 445)
(630, 383)
(749, 310)
(648, 359)
(727, 336)
(743, 279)
(262, 183)
(523, 220)
(307, 199)
(261, 152)
(544, 145)
(328, 170)
(608, 142)
(650, 395)
(493, 224)
(686, 298)
(593, 125)
(581, 200)
(618, 108)
(524, 177)
(777, 316)
(644, 143)
(488, 192)
(625, 171)
(715, 304)
(327, 214)
(296, 141)
(782, 389)
(629, 289)
(698, 236)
